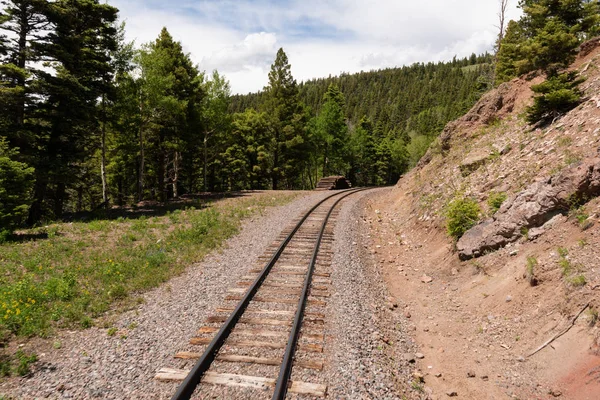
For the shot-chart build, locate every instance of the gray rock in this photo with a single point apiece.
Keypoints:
(473, 162)
(532, 208)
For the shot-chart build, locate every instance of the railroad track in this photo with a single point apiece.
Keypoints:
(272, 321)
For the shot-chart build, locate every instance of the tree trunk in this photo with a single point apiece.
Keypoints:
(79, 198)
(205, 159)
(59, 199)
(141, 163)
(161, 176)
(176, 174)
(24, 29)
(39, 193)
(325, 161)
(103, 158)
(120, 191)
(275, 173)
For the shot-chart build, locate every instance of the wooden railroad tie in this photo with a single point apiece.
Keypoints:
(257, 382)
(188, 355)
(260, 299)
(309, 348)
(313, 335)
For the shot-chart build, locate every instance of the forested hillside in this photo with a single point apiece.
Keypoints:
(418, 99)
(88, 120)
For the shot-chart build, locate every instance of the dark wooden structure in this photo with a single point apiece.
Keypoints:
(333, 183)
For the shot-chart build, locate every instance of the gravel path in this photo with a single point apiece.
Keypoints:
(91, 364)
(369, 348)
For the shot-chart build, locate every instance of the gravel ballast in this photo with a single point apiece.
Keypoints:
(92, 364)
(366, 340)
(365, 344)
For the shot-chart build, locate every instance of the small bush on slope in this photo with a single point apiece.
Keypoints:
(461, 215)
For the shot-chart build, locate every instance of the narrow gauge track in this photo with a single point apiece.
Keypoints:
(284, 299)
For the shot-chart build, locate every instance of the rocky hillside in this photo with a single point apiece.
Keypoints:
(516, 298)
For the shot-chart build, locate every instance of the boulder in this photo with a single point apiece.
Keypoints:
(473, 162)
(532, 208)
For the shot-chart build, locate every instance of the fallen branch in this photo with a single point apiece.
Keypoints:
(567, 329)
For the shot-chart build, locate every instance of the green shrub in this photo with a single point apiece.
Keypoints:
(578, 281)
(461, 215)
(532, 263)
(495, 201)
(24, 362)
(557, 95)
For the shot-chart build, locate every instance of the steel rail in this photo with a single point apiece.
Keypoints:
(285, 371)
(188, 386)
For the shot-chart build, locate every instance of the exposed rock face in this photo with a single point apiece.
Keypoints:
(532, 208)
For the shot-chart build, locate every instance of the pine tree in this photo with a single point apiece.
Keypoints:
(170, 91)
(555, 96)
(511, 60)
(332, 132)
(79, 47)
(21, 26)
(286, 121)
(16, 181)
(246, 161)
(546, 37)
(216, 121)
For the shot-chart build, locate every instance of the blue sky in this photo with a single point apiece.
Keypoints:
(240, 38)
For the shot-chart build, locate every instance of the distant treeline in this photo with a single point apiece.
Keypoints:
(405, 102)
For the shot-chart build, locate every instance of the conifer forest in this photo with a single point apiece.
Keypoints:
(89, 120)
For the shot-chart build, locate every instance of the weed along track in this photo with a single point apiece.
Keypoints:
(270, 322)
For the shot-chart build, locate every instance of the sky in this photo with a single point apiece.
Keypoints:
(240, 38)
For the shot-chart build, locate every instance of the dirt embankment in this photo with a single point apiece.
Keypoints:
(479, 321)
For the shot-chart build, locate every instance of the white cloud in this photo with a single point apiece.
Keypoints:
(240, 37)
(255, 51)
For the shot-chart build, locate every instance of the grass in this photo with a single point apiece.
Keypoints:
(81, 270)
(581, 216)
(18, 364)
(578, 280)
(417, 386)
(532, 264)
(495, 201)
(593, 315)
(567, 269)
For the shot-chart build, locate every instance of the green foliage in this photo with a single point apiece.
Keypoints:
(510, 60)
(18, 364)
(495, 201)
(578, 280)
(563, 261)
(532, 264)
(555, 96)
(461, 215)
(69, 279)
(546, 36)
(24, 362)
(331, 133)
(406, 108)
(286, 120)
(16, 182)
(417, 148)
